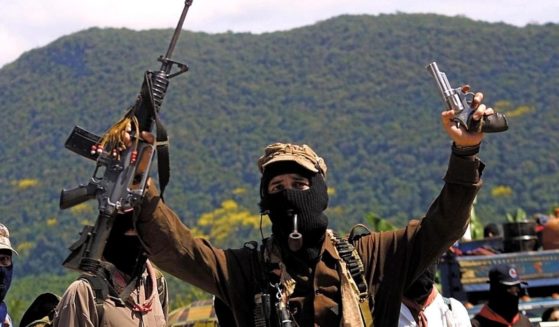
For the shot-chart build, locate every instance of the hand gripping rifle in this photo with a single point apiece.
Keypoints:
(120, 177)
(459, 100)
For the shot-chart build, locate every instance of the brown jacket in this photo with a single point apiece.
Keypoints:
(392, 260)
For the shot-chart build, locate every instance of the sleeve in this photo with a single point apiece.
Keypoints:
(447, 218)
(398, 257)
(77, 307)
(172, 247)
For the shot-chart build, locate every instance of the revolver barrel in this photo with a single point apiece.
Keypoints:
(450, 95)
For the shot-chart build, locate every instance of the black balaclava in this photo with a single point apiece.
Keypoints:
(503, 302)
(5, 280)
(309, 205)
(123, 251)
(419, 290)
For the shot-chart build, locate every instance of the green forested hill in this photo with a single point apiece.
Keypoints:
(355, 88)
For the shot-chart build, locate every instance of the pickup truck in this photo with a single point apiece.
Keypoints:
(464, 277)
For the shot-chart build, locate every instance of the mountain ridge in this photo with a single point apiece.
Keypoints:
(353, 87)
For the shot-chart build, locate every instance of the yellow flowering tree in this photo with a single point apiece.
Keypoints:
(229, 221)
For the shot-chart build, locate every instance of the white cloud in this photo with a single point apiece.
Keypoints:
(27, 24)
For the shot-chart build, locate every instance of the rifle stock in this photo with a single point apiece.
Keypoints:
(119, 179)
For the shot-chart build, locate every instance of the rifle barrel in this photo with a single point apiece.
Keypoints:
(164, 66)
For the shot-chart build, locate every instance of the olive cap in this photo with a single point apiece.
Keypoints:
(301, 154)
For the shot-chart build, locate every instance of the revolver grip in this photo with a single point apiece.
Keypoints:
(491, 124)
(495, 123)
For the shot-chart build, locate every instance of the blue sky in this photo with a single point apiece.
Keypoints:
(28, 24)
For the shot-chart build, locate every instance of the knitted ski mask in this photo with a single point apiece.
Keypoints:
(122, 250)
(502, 300)
(420, 289)
(5, 280)
(5, 272)
(308, 205)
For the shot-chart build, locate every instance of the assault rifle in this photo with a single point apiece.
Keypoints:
(459, 100)
(120, 176)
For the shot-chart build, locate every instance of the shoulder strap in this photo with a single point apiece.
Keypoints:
(357, 232)
(100, 287)
(162, 144)
(161, 285)
(448, 303)
(262, 301)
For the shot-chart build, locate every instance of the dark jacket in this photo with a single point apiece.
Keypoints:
(392, 260)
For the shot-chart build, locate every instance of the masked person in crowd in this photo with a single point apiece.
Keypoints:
(6, 270)
(502, 307)
(129, 292)
(424, 306)
(304, 275)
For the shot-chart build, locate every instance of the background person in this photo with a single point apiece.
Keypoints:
(504, 294)
(491, 230)
(6, 271)
(423, 305)
(125, 268)
(550, 232)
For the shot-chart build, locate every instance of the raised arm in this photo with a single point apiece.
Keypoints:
(394, 259)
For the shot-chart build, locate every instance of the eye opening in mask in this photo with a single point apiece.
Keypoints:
(288, 181)
(5, 260)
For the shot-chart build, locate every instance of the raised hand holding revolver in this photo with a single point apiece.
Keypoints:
(458, 134)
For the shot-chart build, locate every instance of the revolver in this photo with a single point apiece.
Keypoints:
(459, 100)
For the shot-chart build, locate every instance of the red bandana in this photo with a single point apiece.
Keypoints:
(417, 310)
(486, 312)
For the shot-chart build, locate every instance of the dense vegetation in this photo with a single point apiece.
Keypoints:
(355, 88)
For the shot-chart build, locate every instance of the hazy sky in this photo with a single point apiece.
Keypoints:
(28, 24)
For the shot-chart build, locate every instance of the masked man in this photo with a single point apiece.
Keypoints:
(304, 275)
(502, 307)
(424, 306)
(6, 270)
(129, 292)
